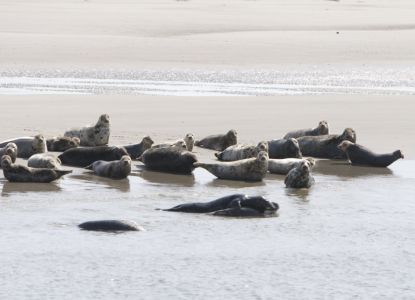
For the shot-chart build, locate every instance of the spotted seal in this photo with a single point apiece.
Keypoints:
(284, 165)
(238, 152)
(62, 143)
(218, 142)
(84, 156)
(27, 146)
(44, 160)
(117, 169)
(321, 129)
(97, 135)
(136, 150)
(300, 176)
(284, 148)
(169, 159)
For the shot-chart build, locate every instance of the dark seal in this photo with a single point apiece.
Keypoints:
(110, 225)
(169, 159)
(284, 148)
(62, 143)
(136, 150)
(84, 156)
(300, 176)
(218, 142)
(321, 129)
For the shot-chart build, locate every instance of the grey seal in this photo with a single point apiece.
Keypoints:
(300, 176)
(360, 155)
(27, 146)
(180, 144)
(321, 129)
(44, 160)
(84, 156)
(11, 150)
(62, 143)
(250, 169)
(189, 139)
(284, 165)
(325, 146)
(284, 148)
(118, 169)
(169, 159)
(136, 150)
(97, 135)
(218, 142)
(19, 173)
(238, 152)
(111, 225)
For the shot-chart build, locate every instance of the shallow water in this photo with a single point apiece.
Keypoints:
(352, 235)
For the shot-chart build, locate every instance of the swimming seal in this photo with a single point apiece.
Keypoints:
(111, 225)
(321, 129)
(137, 149)
(11, 150)
(284, 165)
(44, 160)
(284, 148)
(84, 156)
(300, 176)
(218, 142)
(62, 143)
(97, 135)
(238, 152)
(250, 169)
(118, 169)
(27, 146)
(169, 159)
(325, 146)
(19, 173)
(360, 155)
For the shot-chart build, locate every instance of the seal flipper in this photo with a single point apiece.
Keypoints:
(89, 167)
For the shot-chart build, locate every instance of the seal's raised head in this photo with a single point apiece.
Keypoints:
(294, 147)
(232, 135)
(6, 161)
(323, 127)
(126, 160)
(262, 146)
(263, 156)
(103, 119)
(349, 134)
(189, 139)
(39, 144)
(147, 142)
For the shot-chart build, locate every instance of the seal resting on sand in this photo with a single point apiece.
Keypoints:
(300, 176)
(283, 166)
(180, 144)
(250, 169)
(284, 148)
(169, 159)
(97, 135)
(111, 225)
(325, 146)
(11, 150)
(44, 160)
(84, 156)
(118, 169)
(238, 152)
(189, 139)
(137, 149)
(218, 142)
(27, 146)
(360, 155)
(62, 143)
(19, 173)
(321, 129)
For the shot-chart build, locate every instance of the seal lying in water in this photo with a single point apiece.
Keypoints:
(19, 173)
(300, 176)
(321, 129)
(27, 146)
(111, 225)
(137, 149)
(118, 169)
(44, 160)
(360, 155)
(169, 159)
(238, 152)
(62, 143)
(283, 166)
(250, 169)
(218, 142)
(236, 205)
(284, 148)
(325, 146)
(97, 135)
(82, 157)
(11, 150)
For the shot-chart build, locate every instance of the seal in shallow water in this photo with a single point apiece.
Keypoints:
(325, 146)
(84, 156)
(111, 225)
(97, 135)
(321, 129)
(169, 159)
(19, 173)
(238, 152)
(44, 160)
(137, 149)
(62, 143)
(11, 150)
(360, 155)
(300, 176)
(284, 165)
(118, 169)
(218, 142)
(27, 146)
(284, 148)
(250, 169)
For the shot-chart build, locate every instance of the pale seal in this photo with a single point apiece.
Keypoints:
(11, 150)
(19, 173)
(250, 169)
(218, 142)
(180, 144)
(169, 159)
(238, 152)
(189, 139)
(27, 146)
(84, 156)
(62, 143)
(360, 155)
(284, 165)
(136, 150)
(284, 148)
(117, 169)
(97, 135)
(44, 160)
(111, 225)
(325, 146)
(300, 176)
(321, 129)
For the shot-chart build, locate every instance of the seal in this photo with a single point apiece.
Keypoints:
(321, 129)
(44, 160)
(284, 148)
(118, 169)
(359, 155)
(62, 143)
(27, 146)
(218, 142)
(283, 166)
(19, 173)
(180, 144)
(238, 152)
(97, 135)
(300, 176)
(11, 150)
(250, 169)
(169, 159)
(84, 156)
(325, 146)
(111, 225)
(189, 139)
(137, 149)
(236, 205)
